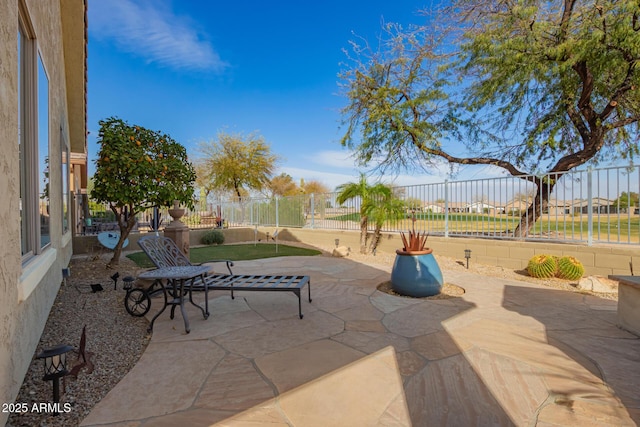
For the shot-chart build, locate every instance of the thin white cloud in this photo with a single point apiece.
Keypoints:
(333, 158)
(330, 179)
(149, 29)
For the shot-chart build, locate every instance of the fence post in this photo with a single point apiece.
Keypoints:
(589, 206)
(277, 218)
(446, 208)
(313, 210)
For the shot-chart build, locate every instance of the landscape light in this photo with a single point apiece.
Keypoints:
(55, 367)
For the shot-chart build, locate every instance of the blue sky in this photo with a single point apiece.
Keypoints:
(194, 68)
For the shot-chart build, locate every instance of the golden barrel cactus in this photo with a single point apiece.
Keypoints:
(570, 268)
(542, 266)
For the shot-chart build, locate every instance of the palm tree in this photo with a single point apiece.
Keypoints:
(382, 209)
(368, 195)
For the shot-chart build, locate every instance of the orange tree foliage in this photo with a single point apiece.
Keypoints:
(137, 169)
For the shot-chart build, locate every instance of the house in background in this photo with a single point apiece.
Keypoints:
(480, 207)
(599, 205)
(43, 164)
(433, 208)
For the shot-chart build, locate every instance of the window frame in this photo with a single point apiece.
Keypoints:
(30, 60)
(65, 153)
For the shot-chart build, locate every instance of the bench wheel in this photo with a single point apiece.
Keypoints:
(137, 302)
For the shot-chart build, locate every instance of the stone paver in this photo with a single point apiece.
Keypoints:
(294, 367)
(504, 353)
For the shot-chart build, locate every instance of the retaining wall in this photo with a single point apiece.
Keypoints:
(601, 260)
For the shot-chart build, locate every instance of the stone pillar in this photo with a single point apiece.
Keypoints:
(177, 230)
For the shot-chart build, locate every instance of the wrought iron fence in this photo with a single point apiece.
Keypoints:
(599, 205)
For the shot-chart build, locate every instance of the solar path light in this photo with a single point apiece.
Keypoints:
(467, 255)
(55, 367)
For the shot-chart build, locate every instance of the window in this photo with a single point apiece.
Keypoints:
(66, 201)
(33, 142)
(44, 191)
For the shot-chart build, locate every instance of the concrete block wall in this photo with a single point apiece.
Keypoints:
(601, 260)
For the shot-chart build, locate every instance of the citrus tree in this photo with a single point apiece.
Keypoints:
(138, 169)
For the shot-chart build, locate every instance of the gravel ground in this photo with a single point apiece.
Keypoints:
(117, 340)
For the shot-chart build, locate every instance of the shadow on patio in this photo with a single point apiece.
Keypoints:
(462, 361)
(591, 366)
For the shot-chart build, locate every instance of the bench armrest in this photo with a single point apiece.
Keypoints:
(228, 262)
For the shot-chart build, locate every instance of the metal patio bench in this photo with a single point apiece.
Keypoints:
(163, 252)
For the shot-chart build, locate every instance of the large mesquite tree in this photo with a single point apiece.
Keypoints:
(137, 169)
(536, 87)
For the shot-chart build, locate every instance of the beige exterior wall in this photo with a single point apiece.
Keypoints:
(27, 291)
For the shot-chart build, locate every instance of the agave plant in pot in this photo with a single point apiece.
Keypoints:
(415, 271)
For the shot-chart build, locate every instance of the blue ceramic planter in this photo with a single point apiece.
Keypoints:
(416, 274)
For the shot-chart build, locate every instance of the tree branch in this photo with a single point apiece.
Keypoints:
(622, 123)
(624, 87)
(577, 121)
(475, 161)
(584, 103)
(566, 18)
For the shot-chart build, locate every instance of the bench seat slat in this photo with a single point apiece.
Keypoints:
(247, 282)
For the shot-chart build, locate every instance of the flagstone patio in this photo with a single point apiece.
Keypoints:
(504, 353)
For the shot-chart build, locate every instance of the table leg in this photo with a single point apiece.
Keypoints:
(182, 309)
(205, 311)
(166, 302)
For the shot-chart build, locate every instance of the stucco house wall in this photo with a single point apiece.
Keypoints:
(28, 287)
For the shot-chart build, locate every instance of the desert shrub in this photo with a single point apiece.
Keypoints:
(213, 237)
(570, 268)
(542, 266)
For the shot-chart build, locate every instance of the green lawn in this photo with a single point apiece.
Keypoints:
(232, 252)
(569, 226)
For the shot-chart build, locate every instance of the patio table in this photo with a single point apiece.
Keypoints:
(176, 278)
